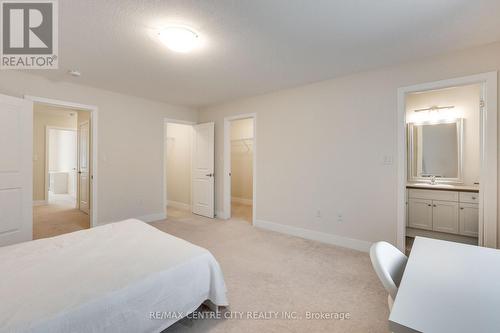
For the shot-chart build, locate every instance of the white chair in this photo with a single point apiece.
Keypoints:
(389, 263)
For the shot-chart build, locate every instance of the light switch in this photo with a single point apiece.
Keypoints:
(387, 160)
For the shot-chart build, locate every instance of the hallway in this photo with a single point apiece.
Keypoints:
(57, 218)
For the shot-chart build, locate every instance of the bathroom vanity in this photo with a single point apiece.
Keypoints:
(443, 211)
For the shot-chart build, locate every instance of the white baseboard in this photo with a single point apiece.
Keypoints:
(351, 243)
(152, 217)
(40, 202)
(242, 201)
(412, 232)
(179, 205)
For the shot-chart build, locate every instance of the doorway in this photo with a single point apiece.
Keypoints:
(188, 169)
(61, 181)
(240, 161)
(447, 161)
(178, 139)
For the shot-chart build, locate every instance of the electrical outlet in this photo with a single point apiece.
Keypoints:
(318, 214)
(340, 218)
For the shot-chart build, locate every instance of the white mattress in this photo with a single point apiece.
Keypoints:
(106, 279)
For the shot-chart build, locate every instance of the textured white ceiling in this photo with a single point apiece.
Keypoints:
(257, 46)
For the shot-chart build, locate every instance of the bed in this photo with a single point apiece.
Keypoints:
(121, 277)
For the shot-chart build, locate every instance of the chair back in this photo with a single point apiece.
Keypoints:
(389, 263)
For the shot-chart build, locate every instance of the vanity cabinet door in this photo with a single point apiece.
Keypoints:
(469, 219)
(445, 216)
(420, 213)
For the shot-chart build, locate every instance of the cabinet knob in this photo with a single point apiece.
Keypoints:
(429, 205)
(462, 208)
(434, 206)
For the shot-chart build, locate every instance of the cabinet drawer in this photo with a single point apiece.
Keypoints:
(469, 197)
(433, 195)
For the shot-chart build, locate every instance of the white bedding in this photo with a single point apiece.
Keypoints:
(106, 279)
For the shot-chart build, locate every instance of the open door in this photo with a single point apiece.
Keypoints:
(83, 167)
(16, 170)
(203, 170)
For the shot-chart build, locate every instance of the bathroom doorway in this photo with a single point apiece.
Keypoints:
(447, 161)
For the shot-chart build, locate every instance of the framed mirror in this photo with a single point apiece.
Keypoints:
(435, 152)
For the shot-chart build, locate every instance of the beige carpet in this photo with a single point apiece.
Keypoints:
(241, 212)
(57, 218)
(267, 271)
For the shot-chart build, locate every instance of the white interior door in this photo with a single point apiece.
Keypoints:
(83, 167)
(203, 170)
(16, 170)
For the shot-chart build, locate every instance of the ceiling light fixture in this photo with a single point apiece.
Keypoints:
(179, 39)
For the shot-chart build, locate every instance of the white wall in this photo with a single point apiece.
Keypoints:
(466, 101)
(130, 140)
(322, 146)
(178, 151)
(62, 150)
(242, 160)
(44, 116)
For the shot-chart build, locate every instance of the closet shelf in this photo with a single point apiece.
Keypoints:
(247, 142)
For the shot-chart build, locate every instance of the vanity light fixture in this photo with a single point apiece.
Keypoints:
(179, 38)
(436, 108)
(435, 115)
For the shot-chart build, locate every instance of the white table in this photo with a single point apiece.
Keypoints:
(448, 287)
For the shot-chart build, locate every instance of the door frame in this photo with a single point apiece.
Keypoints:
(488, 154)
(166, 121)
(94, 179)
(47, 131)
(226, 195)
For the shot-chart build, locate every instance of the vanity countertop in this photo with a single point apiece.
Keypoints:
(444, 187)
